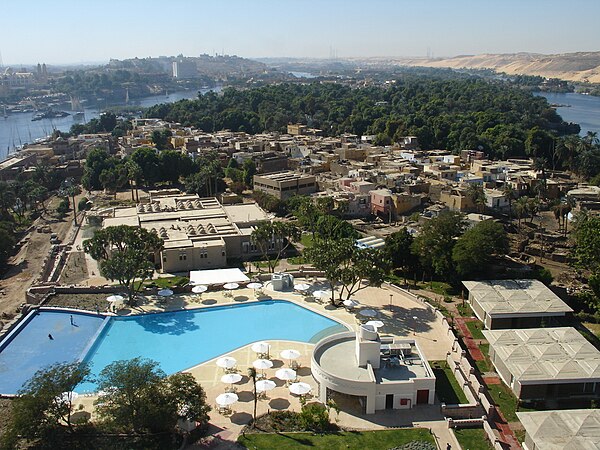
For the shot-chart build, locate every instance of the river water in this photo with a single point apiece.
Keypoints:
(581, 109)
(17, 129)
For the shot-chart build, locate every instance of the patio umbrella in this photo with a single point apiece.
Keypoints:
(226, 399)
(265, 385)
(290, 354)
(302, 287)
(254, 285)
(226, 362)
(231, 378)
(351, 303)
(322, 294)
(199, 289)
(367, 312)
(286, 374)
(300, 388)
(262, 364)
(165, 292)
(114, 298)
(231, 286)
(68, 396)
(261, 347)
(375, 323)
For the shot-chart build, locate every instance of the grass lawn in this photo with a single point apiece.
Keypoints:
(168, 282)
(306, 239)
(297, 260)
(484, 365)
(593, 327)
(473, 439)
(359, 440)
(446, 385)
(475, 329)
(438, 287)
(465, 310)
(506, 401)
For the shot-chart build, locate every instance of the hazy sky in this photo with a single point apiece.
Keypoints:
(72, 31)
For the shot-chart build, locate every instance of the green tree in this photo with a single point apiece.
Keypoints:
(40, 408)
(124, 254)
(398, 250)
(249, 172)
(435, 243)
(139, 397)
(476, 249)
(273, 239)
(586, 252)
(252, 376)
(476, 193)
(510, 194)
(160, 139)
(147, 159)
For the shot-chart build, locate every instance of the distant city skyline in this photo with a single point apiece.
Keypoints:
(75, 32)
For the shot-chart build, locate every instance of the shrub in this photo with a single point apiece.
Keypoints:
(63, 207)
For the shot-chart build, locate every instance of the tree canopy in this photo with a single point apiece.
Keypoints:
(475, 250)
(124, 254)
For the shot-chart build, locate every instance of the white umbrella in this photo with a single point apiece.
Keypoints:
(261, 347)
(368, 312)
(226, 399)
(265, 385)
(68, 396)
(302, 287)
(199, 289)
(226, 362)
(254, 285)
(300, 388)
(322, 294)
(165, 292)
(262, 364)
(286, 374)
(231, 286)
(114, 298)
(351, 303)
(290, 354)
(231, 378)
(375, 323)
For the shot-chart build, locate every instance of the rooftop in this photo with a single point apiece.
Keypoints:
(538, 354)
(507, 297)
(575, 429)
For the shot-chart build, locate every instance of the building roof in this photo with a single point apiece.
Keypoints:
(575, 429)
(515, 297)
(545, 354)
(217, 276)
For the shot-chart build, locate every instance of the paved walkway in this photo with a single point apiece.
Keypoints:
(470, 342)
(401, 315)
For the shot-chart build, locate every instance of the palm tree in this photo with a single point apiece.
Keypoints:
(477, 195)
(252, 375)
(510, 194)
(539, 164)
(522, 208)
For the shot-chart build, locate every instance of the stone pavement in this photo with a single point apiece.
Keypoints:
(402, 316)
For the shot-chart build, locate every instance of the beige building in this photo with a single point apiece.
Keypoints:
(546, 363)
(514, 303)
(284, 185)
(198, 233)
(572, 429)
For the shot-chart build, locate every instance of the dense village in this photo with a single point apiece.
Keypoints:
(459, 354)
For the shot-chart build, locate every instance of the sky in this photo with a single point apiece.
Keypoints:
(86, 31)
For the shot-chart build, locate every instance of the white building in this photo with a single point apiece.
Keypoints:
(575, 429)
(543, 363)
(514, 303)
(377, 373)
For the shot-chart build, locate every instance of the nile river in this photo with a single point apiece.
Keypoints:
(18, 129)
(581, 109)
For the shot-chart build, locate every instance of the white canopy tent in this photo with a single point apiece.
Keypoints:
(217, 276)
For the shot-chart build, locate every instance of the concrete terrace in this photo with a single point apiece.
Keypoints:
(404, 317)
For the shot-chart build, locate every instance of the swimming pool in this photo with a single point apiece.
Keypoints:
(178, 340)
(29, 348)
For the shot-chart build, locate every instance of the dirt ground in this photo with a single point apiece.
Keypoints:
(25, 266)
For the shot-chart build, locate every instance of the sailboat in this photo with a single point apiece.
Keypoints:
(127, 96)
(5, 114)
(78, 113)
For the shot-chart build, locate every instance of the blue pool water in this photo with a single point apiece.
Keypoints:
(177, 340)
(30, 349)
(182, 339)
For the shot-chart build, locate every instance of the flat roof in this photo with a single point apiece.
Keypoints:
(285, 176)
(245, 212)
(217, 276)
(545, 354)
(573, 429)
(514, 297)
(338, 358)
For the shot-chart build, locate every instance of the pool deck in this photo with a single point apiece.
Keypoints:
(405, 318)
